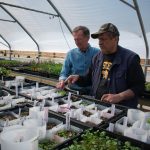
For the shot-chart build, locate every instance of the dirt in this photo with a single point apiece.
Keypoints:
(24, 113)
(90, 123)
(87, 113)
(7, 116)
(50, 125)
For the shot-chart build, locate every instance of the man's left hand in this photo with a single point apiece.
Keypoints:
(111, 98)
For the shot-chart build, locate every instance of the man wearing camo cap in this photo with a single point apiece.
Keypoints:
(115, 74)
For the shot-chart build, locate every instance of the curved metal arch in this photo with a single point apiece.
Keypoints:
(144, 34)
(136, 8)
(9, 46)
(25, 8)
(29, 9)
(7, 20)
(13, 21)
(23, 29)
(60, 15)
(4, 43)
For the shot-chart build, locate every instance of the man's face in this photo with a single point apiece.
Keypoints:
(107, 43)
(80, 39)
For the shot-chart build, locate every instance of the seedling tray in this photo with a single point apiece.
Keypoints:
(100, 105)
(115, 144)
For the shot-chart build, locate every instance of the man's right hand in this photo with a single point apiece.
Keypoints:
(60, 84)
(72, 79)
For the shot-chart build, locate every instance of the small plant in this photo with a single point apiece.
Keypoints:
(47, 144)
(148, 120)
(48, 67)
(62, 92)
(66, 133)
(84, 103)
(10, 63)
(99, 141)
(147, 86)
(4, 71)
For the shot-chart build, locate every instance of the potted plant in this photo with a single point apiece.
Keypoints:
(99, 140)
(66, 133)
(4, 72)
(146, 93)
(47, 144)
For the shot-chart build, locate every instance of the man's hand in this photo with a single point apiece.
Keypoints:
(72, 79)
(60, 84)
(116, 98)
(111, 98)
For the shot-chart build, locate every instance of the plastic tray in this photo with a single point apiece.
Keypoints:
(120, 138)
(119, 109)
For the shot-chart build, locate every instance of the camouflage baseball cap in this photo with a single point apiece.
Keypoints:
(108, 27)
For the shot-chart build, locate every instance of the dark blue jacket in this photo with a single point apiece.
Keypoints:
(120, 78)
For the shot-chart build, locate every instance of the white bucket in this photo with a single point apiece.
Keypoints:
(19, 139)
(13, 127)
(39, 124)
(35, 113)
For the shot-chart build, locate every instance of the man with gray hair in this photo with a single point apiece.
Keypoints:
(115, 74)
(79, 59)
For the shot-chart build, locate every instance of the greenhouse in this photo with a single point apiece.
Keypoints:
(74, 74)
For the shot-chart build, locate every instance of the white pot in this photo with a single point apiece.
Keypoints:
(121, 125)
(134, 115)
(20, 78)
(36, 113)
(39, 124)
(33, 111)
(19, 139)
(17, 126)
(136, 133)
(148, 137)
(147, 115)
(140, 124)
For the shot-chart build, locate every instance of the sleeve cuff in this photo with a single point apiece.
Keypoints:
(62, 78)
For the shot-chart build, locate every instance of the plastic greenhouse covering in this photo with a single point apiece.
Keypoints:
(45, 25)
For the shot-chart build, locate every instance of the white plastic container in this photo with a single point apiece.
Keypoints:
(36, 113)
(136, 133)
(20, 78)
(19, 139)
(134, 115)
(14, 121)
(39, 124)
(148, 137)
(59, 139)
(12, 127)
(141, 124)
(121, 125)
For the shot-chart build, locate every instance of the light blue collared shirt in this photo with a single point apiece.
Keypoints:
(77, 62)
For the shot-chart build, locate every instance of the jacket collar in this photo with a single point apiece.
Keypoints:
(89, 46)
(117, 59)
